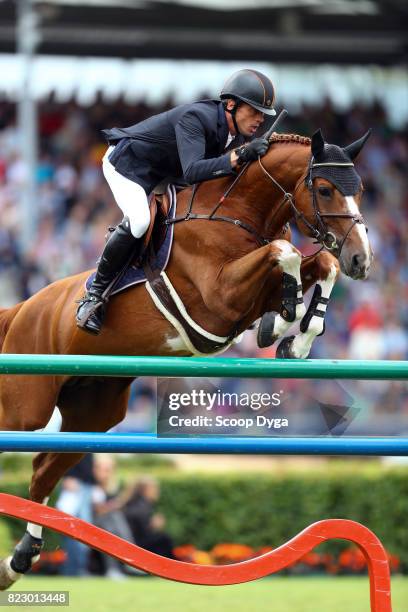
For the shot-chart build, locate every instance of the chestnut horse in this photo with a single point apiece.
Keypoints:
(227, 274)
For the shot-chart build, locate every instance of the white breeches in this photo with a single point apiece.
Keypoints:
(130, 197)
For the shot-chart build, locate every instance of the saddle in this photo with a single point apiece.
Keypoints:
(159, 204)
(149, 268)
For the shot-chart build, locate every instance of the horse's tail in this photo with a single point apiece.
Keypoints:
(6, 317)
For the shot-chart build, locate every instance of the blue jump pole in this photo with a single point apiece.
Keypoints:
(149, 443)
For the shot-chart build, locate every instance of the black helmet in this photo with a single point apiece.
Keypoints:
(252, 87)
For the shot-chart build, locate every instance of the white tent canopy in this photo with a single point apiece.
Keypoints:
(154, 80)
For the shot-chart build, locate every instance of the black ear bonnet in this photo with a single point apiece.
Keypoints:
(340, 168)
(344, 178)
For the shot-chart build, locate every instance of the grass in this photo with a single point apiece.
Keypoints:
(277, 594)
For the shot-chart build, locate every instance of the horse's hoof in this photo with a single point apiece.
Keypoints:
(284, 350)
(7, 575)
(265, 335)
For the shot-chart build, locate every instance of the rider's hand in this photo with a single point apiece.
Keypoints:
(252, 150)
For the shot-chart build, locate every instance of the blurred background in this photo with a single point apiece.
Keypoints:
(69, 68)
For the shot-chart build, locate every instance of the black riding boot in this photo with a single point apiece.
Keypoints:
(118, 251)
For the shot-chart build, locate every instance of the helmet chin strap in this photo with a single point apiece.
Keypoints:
(233, 112)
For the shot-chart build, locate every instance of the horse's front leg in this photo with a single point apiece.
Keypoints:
(274, 324)
(243, 286)
(322, 269)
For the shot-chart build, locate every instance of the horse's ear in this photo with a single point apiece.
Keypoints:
(353, 149)
(317, 143)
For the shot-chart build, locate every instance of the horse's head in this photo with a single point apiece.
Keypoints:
(329, 204)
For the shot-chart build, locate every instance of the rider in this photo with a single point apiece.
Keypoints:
(188, 141)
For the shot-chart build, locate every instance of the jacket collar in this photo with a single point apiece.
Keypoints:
(223, 129)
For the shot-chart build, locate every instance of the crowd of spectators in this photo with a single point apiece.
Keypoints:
(92, 491)
(365, 320)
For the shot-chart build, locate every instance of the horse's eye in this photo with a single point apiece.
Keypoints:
(325, 192)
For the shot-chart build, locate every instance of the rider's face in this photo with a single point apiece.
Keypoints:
(248, 118)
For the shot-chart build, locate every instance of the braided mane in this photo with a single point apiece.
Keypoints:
(304, 140)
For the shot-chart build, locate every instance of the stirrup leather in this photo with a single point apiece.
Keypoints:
(91, 297)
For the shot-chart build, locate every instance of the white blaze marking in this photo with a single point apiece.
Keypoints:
(353, 209)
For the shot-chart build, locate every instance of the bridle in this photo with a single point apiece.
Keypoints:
(319, 232)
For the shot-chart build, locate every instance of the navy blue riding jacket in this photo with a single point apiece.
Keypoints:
(185, 144)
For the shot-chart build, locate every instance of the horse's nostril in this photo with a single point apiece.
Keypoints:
(356, 261)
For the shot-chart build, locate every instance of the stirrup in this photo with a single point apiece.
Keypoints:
(91, 297)
(96, 303)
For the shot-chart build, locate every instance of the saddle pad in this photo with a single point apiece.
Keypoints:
(135, 276)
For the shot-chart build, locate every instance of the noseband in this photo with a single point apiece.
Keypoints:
(320, 231)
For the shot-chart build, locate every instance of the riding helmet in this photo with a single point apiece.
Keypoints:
(252, 87)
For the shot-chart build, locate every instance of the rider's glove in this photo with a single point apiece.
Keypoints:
(252, 150)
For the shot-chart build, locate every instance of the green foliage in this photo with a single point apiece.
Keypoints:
(267, 510)
(261, 509)
(6, 542)
(13, 529)
(15, 467)
(15, 462)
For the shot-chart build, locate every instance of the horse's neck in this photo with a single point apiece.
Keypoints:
(255, 199)
(286, 163)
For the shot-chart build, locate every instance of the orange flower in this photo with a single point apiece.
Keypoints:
(202, 558)
(394, 562)
(352, 559)
(312, 558)
(232, 553)
(184, 553)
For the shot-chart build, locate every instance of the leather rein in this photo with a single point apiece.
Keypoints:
(213, 217)
(320, 232)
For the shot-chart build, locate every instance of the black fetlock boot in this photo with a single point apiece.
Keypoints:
(120, 249)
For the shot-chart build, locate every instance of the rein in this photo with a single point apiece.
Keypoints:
(320, 232)
(237, 222)
(213, 217)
